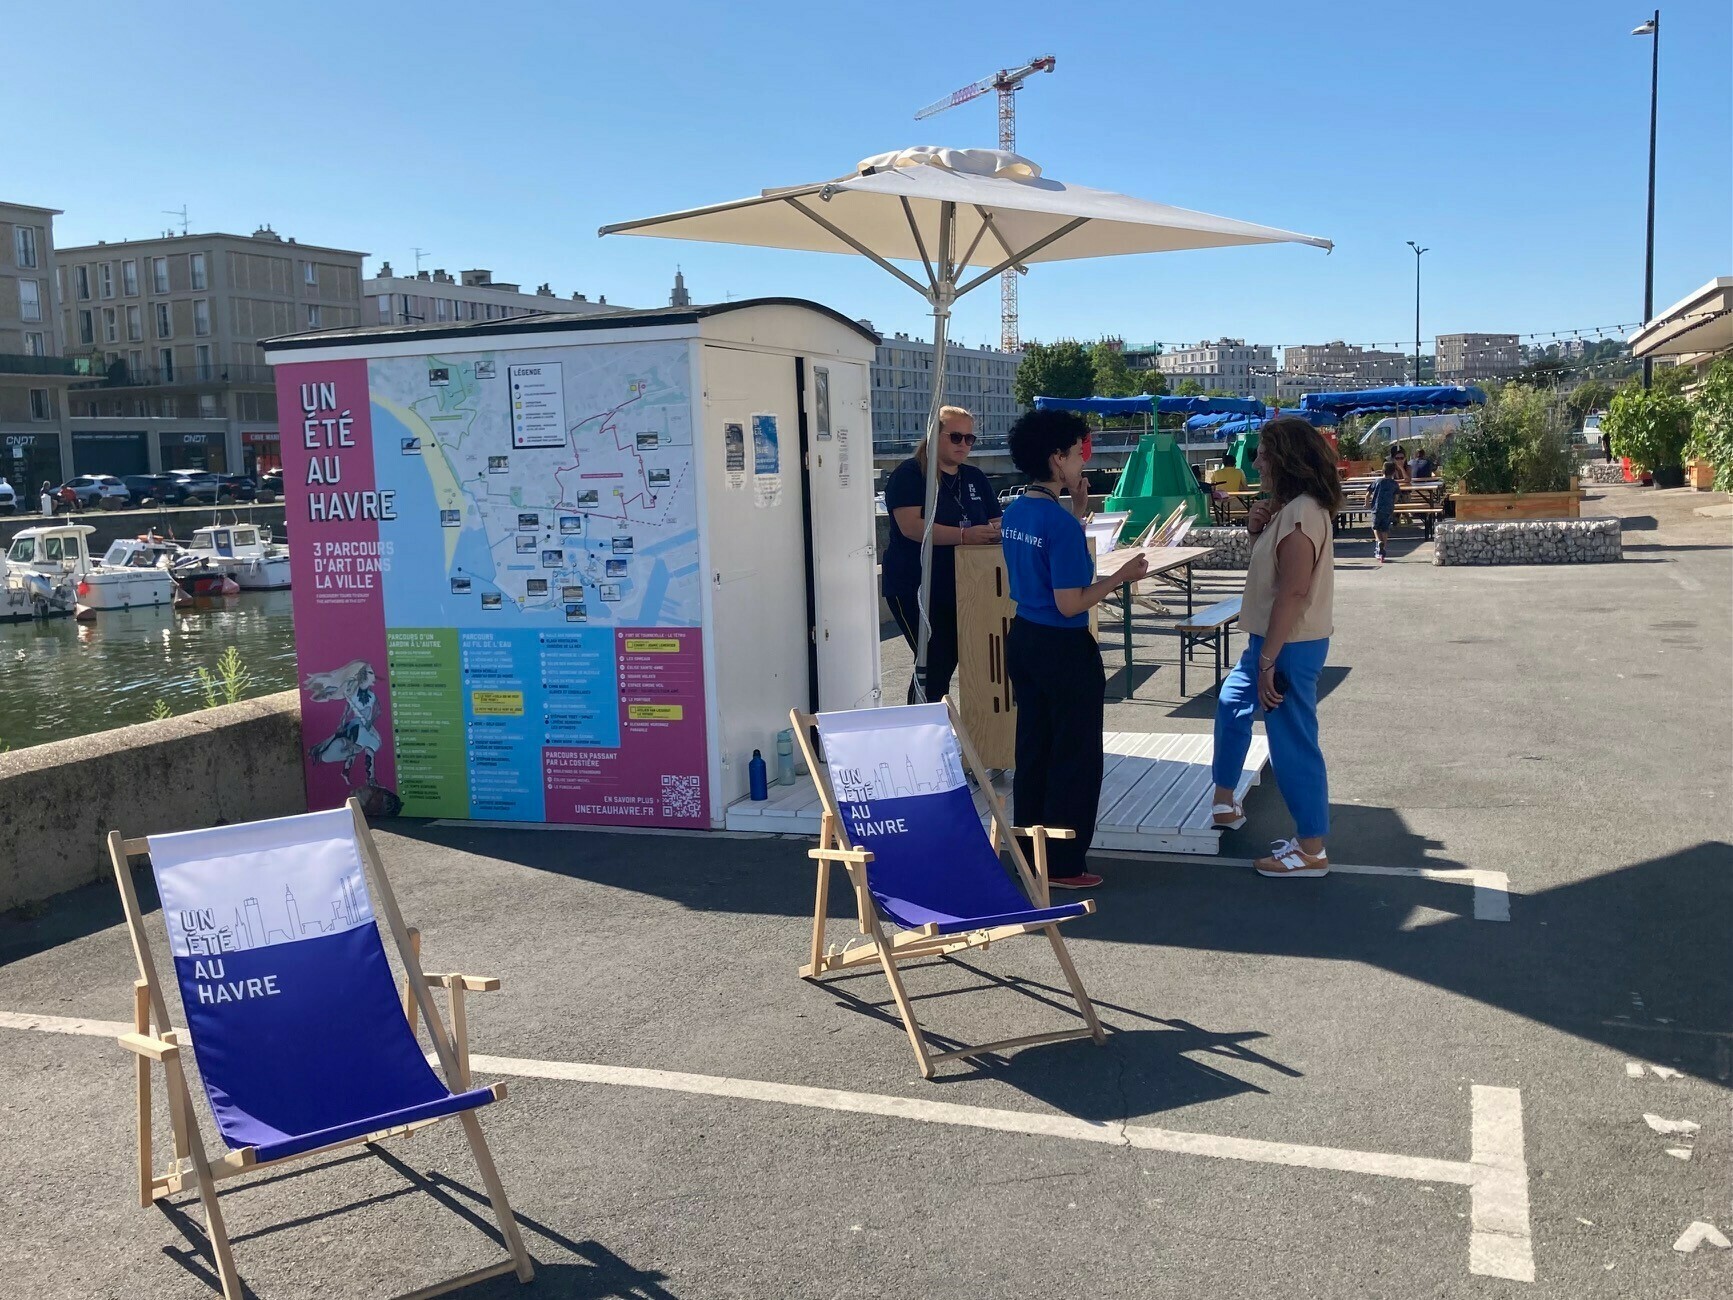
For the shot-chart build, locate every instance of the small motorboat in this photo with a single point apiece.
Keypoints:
(42, 568)
(130, 575)
(244, 552)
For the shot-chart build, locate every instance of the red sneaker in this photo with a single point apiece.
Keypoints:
(1088, 880)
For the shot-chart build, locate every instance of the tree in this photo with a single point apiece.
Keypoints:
(1152, 382)
(1712, 422)
(1545, 372)
(1651, 428)
(1113, 378)
(1587, 397)
(1189, 388)
(1053, 370)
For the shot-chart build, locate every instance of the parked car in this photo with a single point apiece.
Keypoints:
(198, 486)
(237, 487)
(95, 491)
(147, 488)
(271, 485)
(8, 497)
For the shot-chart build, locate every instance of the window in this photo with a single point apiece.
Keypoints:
(129, 279)
(441, 309)
(30, 299)
(81, 282)
(385, 309)
(199, 271)
(312, 315)
(202, 316)
(165, 361)
(24, 246)
(86, 328)
(105, 279)
(35, 344)
(110, 326)
(134, 323)
(164, 327)
(41, 405)
(135, 362)
(310, 274)
(159, 274)
(202, 355)
(208, 405)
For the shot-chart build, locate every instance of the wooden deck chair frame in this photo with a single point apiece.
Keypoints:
(834, 849)
(154, 1042)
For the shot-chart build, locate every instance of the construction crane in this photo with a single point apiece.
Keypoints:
(1006, 81)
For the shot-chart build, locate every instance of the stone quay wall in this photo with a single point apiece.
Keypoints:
(58, 802)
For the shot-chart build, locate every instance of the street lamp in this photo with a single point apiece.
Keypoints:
(1417, 252)
(1652, 28)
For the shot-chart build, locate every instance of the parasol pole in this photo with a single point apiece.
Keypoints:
(943, 293)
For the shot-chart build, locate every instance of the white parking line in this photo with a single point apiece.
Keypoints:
(1491, 888)
(1496, 1175)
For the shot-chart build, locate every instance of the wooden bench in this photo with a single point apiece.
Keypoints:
(1214, 625)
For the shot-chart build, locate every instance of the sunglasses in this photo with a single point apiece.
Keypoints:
(961, 439)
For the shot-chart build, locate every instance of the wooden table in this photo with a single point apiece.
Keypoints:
(1222, 503)
(1426, 494)
(1165, 562)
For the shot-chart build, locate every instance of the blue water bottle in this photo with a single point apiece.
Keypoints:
(755, 777)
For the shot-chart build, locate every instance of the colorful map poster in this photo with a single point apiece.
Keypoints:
(497, 593)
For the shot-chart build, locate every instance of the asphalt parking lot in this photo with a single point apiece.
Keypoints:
(1495, 1060)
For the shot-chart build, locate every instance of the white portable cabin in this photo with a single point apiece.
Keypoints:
(778, 478)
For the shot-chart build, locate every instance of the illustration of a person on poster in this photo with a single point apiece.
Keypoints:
(356, 735)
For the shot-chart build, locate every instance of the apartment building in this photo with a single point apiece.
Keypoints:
(173, 327)
(428, 297)
(1222, 365)
(1463, 358)
(902, 389)
(1354, 366)
(35, 374)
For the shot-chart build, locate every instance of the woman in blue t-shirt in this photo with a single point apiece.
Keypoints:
(1050, 653)
(967, 515)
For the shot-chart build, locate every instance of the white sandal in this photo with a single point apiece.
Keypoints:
(1233, 811)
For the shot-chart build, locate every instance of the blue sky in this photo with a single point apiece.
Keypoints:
(1510, 137)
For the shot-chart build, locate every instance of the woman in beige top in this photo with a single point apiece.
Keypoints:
(1286, 611)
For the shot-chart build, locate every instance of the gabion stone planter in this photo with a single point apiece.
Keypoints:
(1529, 541)
(1233, 547)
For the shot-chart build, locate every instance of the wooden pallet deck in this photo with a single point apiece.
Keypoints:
(1155, 796)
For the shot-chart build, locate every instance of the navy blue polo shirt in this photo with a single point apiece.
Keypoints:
(1045, 551)
(965, 499)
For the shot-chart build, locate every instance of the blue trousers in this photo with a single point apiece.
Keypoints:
(1292, 730)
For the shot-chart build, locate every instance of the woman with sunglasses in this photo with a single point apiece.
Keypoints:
(967, 515)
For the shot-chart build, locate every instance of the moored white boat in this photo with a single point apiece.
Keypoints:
(243, 551)
(130, 575)
(42, 568)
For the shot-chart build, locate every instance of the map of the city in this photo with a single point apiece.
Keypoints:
(556, 485)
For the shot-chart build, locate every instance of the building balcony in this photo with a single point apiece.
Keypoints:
(121, 375)
(19, 363)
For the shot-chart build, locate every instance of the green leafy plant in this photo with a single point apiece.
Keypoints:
(1651, 427)
(1062, 369)
(160, 710)
(230, 681)
(1350, 440)
(1517, 442)
(1712, 422)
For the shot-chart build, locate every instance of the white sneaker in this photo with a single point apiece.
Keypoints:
(1287, 858)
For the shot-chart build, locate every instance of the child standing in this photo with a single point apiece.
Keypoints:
(1382, 499)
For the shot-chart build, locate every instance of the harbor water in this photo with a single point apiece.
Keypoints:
(61, 678)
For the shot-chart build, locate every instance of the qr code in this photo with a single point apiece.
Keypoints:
(681, 798)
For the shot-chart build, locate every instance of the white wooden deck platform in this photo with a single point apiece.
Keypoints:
(1155, 796)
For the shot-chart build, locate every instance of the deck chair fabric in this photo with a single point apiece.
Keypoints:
(298, 1024)
(900, 785)
(899, 818)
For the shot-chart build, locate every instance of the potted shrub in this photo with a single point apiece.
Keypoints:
(1711, 445)
(1514, 460)
(1651, 429)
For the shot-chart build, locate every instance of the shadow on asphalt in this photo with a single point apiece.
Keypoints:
(1203, 704)
(588, 1271)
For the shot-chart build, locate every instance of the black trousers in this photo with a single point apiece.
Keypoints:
(941, 645)
(1061, 687)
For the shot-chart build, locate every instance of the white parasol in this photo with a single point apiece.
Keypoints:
(950, 210)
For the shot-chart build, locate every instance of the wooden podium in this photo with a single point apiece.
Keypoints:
(984, 614)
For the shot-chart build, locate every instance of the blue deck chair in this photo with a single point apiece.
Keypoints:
(301, 1037)
(900, 819)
